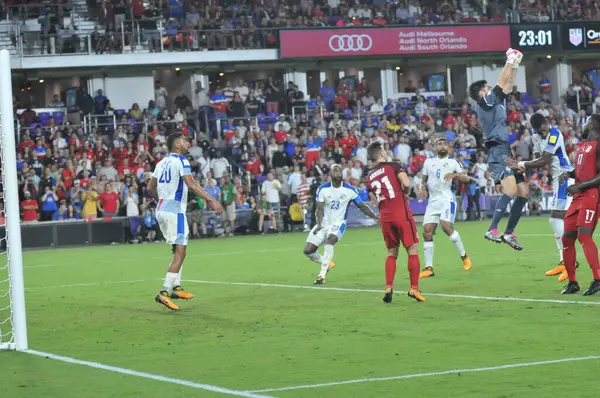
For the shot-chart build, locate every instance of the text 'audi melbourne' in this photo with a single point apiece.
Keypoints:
(393, 41)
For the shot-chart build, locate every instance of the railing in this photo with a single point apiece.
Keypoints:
(133, 38)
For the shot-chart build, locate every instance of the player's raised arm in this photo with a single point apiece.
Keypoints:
(508, 76)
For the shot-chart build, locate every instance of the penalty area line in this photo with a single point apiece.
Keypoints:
(429, 374)
(343, 289)
(116, 369)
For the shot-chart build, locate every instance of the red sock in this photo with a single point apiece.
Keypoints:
(591, 253)
(414, 267)
(569, 257)
(390, 271)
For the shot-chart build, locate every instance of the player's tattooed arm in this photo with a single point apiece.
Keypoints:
(366, 210)
(461, 177)
(404, 181)
(319, 216)
(197, 189)
(422, 194)
(152, 188)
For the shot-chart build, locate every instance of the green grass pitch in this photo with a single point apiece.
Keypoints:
(96, 304)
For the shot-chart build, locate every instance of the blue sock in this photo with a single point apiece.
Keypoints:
(515, 214)
(501, 206)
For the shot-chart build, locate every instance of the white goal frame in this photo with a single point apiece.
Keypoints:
(11, 209)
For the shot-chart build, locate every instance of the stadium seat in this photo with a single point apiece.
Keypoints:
(347, 114)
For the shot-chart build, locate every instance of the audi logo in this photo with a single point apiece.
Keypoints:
(348, 43)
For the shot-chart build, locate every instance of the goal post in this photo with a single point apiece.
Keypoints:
(13, 324)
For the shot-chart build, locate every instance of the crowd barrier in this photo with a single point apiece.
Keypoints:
(55, 234)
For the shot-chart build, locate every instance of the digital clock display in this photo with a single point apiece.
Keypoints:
(541, 37)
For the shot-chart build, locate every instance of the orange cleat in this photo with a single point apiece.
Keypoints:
(426, 273)
(563, 277)
(163, 298)
(180, 294)
(415, 294)
(331, 266)
(559, 269)
(467, 264)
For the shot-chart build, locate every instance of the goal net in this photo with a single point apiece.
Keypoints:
(13, 332)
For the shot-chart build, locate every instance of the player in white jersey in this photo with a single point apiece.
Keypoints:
(169, 183)
(438, 174)
(333, 199)
(549, 149)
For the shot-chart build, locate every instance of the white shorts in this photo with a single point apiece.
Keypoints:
(440, 210)
(174, 227)
(321, 236)
(560, 200)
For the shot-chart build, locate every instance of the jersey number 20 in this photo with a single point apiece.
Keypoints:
(388, 187)
(165, 176)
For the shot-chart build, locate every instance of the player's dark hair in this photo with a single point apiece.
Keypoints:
(475, 88)
(373, 151)
(537, 120)
(171, 140)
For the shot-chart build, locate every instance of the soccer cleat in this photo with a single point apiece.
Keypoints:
(163, 298)
(389, 293)
(319, 281)
(571, 288)
(492, 235)
(511, 240)
(415, 294)
(559, 269)
(331, 266)
(563, 277)
(427, 272)
(180, 294)
(593, 289)
(467, 264)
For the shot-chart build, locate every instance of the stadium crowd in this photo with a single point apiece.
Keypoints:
(248, 158)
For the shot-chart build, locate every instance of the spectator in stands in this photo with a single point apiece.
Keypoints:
(108, 201)
(265, 212)
(61, 213)
(49, 200)
(100, 102)
(30, 208)
(271, 188)
(56, 102)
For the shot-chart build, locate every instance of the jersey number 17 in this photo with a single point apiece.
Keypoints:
(388, 186)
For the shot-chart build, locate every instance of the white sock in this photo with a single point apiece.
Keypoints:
(457, 242)
(428, 253)
(327, 257)
(558, 226)
(169, 282)
(316, 257)
(178, 279)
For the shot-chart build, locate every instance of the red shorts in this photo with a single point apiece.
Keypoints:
(396, 232)
(582, 213)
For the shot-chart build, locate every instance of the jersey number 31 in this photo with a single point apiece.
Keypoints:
(388, 187)
(165, 176)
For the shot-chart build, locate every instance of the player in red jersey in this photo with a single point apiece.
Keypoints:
(582, 216)
(387, 183)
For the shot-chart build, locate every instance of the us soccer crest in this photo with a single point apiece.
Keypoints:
(576, 36)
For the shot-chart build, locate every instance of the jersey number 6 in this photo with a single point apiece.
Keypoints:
(388, 187)
(165, 176)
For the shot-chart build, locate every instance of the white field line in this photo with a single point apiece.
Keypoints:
(429, 374)
(343, 289)
(86, 284)
(116, 369)
(196, 254)
(199, 254)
